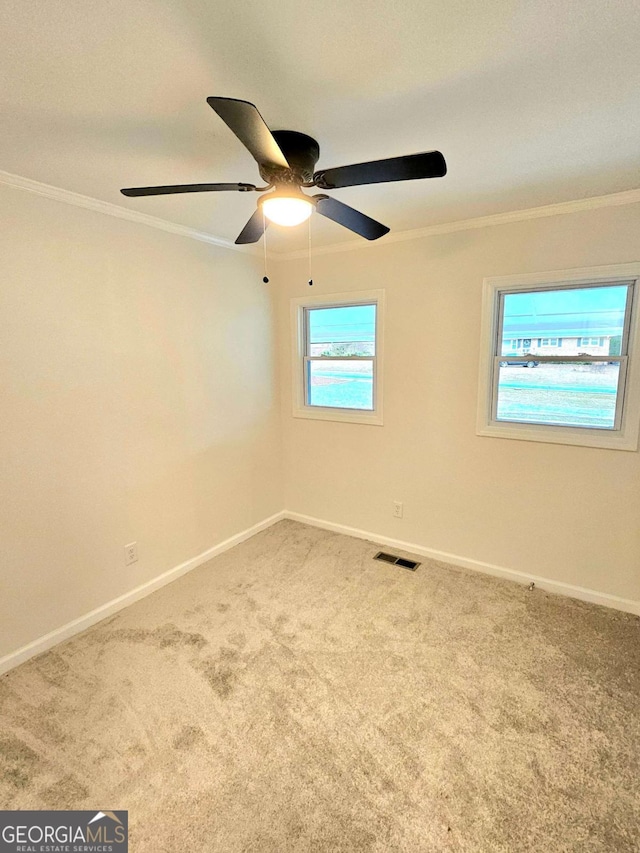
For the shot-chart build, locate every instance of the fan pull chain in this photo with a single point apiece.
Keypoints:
(310, 282)
(265, 277)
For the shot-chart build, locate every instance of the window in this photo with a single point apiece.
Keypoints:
(338, 353)
(587, 392)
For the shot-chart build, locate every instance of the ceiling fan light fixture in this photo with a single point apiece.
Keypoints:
(286, 161)
(287, 208)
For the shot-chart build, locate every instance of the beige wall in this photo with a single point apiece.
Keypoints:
(567, 513)
(138, 402)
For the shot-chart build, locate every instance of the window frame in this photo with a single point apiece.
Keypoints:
(624, 436)
(300, 358)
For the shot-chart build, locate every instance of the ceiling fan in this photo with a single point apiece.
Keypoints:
(286, 161)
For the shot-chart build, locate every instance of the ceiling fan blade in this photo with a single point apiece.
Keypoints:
(350, 218)
(431, 164)
(248, 125)
(254, 229)
(187, 188)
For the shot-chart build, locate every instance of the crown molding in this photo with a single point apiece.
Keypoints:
(563, 207)
(120, 212)
(110, 209)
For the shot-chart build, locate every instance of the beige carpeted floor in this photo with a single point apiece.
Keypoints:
(295, 695)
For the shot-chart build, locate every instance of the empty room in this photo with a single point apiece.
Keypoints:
(320, 409)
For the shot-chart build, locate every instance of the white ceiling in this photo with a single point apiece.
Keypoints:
(531, 102)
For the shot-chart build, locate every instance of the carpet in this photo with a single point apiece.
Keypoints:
(293, 694)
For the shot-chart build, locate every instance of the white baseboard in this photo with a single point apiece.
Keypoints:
(558, 587)
(42, 644)
(51, 639)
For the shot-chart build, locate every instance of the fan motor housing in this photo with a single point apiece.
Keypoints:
(301, 152)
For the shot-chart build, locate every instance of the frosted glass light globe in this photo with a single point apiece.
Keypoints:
(287, 211)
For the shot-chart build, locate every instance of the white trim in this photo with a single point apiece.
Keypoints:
(120, 212)
(574, 275)
(627, 605)
(563, 207)
(300, 409)
(625, 438)
(58, 635)
(68, 197)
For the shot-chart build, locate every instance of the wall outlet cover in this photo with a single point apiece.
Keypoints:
(130, 553)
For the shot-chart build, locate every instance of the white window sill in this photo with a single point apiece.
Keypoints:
(607, 439)
(352, 416)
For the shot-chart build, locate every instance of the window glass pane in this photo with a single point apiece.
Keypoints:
(340, 384)
(345, 331)
(569, 394)
(574, 321)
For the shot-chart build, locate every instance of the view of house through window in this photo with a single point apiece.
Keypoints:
(561, 355)
(340, 356)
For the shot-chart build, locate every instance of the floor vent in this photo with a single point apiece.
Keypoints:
(397, 561)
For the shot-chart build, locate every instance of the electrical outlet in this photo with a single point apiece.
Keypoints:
(397, 509)
(130, 553)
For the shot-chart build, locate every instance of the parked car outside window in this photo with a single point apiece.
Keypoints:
(530, 363)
